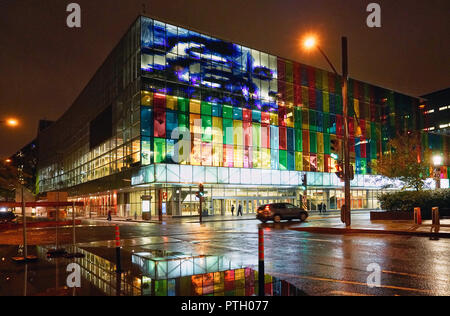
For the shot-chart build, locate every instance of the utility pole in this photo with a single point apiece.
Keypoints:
(347, 208)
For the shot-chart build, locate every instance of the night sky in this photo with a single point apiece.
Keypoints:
(44, 65)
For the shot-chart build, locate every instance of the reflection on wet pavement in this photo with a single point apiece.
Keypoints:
(148, 273)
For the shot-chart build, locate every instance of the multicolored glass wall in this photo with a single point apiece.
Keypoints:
(208, 102)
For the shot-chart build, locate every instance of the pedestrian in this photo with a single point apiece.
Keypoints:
(232, 210)
(320, 208)
(239, 209)
(109, 216)
(324, 208)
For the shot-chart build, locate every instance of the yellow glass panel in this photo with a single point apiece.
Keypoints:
(217, 131)
(218, 155)
(238, 133)
(290, 117)
(256, 158)
(274, 119)
(172, 102)
(238, 157)
(147, 98)
(320, 144)
(265, 158)
(195, 106)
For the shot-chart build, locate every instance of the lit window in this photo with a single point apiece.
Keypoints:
(443, 108)
(429, 112)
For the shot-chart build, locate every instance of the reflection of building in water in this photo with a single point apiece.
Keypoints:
(163, 273)
(176, 274)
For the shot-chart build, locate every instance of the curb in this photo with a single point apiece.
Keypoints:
(343, 231)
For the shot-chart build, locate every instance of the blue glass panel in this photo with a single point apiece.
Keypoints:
(274, 159)
(217, 110)
(290, 139)
(256, 116)
(146, 121)
(291, 160)
(171, 123)
(237, 114)
(274, 137)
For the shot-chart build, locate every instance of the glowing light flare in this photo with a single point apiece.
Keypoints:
(12, 122)
(437, 160)
(310, 42)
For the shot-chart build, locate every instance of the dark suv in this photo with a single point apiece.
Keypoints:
(279, 211)
(7, 217)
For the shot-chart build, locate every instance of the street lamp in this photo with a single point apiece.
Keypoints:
(310, 43)
(11, 122)
(437, 162)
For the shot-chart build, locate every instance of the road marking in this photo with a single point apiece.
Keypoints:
(349, 282)
(342, 293)
(418, 276)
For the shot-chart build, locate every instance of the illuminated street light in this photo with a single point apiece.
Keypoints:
(310, 43)
(11, 122)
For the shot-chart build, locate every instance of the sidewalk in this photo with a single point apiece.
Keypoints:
(361, 224)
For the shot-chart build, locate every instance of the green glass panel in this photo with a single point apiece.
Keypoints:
(227, 112)
(326, 144)
(160, 150)
(207, 128)
(206, 108)
(183, 105)
(228, 131)
(298, 161)
(283, 160)
(313, 142)
(183, 120)
(298, 140)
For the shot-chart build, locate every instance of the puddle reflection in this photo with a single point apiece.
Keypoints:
(149, 273)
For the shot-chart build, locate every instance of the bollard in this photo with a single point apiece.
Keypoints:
(417, 216)
(261, 261)
(435, 216)
(118, 261)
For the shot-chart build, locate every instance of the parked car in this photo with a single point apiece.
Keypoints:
(7, 217)
(281, 211)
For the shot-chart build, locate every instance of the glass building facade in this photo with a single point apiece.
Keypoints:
(189, 108)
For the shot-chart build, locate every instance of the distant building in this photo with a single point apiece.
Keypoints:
(436, 111)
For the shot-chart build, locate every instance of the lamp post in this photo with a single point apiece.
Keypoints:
(312, 43)
(437, 162)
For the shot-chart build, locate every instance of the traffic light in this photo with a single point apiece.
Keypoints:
(340, 171)
(201, 190)
(334, 146)
(304, 180)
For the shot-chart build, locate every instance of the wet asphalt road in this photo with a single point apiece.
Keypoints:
(318, 264)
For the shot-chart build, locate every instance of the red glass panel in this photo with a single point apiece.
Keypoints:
(283, 138)
(282, 90)
(160, 124)
(312, 98)
(265, 136)
(265, 118)
(247, 115)
(297, 95)
(297, 74)
(159, 101)
(248, 139)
